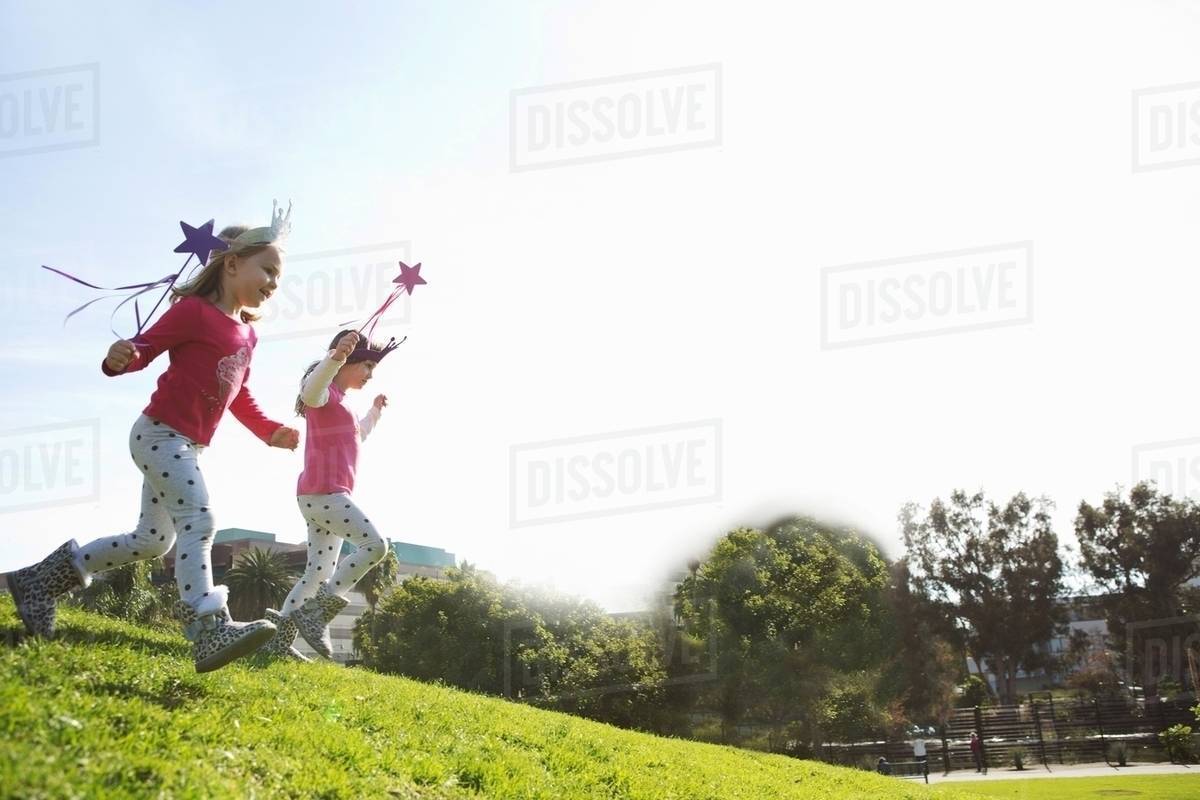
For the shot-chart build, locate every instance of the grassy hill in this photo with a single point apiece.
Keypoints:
(111, 709)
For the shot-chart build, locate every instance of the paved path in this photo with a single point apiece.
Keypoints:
(1065, 771)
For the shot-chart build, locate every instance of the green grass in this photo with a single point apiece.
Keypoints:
(1158, 787)
(115, 710)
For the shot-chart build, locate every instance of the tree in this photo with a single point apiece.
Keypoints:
(452, 631)
(785, 609)
(849, 711)
(556, 651)
(260, 580)
(611, 671)
(379, 579)
(926, 653)
(1143, 551)
(997, 571)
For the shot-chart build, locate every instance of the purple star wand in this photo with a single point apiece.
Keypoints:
(197, 243)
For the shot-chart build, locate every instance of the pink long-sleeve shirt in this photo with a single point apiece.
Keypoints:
(210, 366)
(331, 443)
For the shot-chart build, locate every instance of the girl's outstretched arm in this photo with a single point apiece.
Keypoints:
(367, 423)
(178, 324)
(249, 414)
(314, 391)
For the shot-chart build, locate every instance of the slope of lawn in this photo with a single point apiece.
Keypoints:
(1158, 787)
(115, 710)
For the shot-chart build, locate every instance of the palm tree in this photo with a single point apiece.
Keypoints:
(381, 577)
(258, 581)
(374, 585)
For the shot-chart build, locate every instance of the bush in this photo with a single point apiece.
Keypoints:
(1019, 754)
(471, 632)
(1177, 740)
(1168, 689)
(1098, 679)
(127, 593)
(848, 712)
(972, 692)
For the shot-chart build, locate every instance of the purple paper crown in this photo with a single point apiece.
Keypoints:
(364, 351)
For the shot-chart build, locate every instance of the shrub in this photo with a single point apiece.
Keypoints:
(1177, 740)
(972, 692)
(127, 593)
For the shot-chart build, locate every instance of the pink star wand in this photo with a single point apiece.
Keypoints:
(408, 278)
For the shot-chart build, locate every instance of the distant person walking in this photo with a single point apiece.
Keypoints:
(919, 749)
(977, 751)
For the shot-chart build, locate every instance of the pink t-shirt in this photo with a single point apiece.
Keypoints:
(210, 366)
(330, 447)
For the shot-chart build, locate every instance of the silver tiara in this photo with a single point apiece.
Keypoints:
(275, 233)
(281, 223)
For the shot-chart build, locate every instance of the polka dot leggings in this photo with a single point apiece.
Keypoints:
(174, 501)
(332, 518)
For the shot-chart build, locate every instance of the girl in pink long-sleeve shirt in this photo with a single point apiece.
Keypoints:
(209, 339)
(323, 495)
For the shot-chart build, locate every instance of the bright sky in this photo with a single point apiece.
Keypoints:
(641, 254)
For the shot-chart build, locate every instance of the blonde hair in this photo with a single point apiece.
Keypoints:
(207, 282)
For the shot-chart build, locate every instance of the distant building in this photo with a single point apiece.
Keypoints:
(1085, 616)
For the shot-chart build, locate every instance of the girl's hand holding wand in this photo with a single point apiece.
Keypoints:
(345, 346)
(120, 355)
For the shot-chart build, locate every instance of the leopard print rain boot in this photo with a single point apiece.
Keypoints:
(280, 645)
(36, 589)
(216, 638)
(314, 616)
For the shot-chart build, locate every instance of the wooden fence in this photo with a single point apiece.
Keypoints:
(1046, 731)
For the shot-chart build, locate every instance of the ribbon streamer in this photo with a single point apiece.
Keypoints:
(141, 289)
(373, 320)
(198, 243)
(409, 277)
